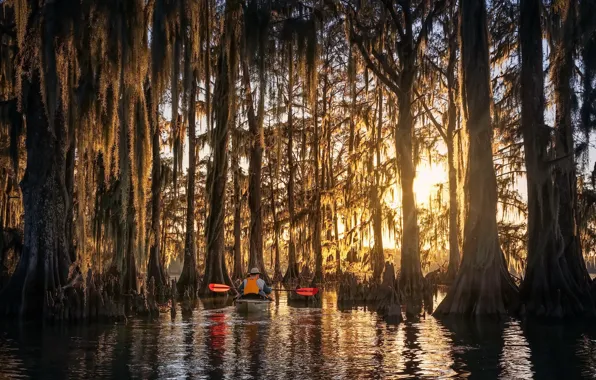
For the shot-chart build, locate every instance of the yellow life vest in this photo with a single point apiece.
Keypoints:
(251, 286)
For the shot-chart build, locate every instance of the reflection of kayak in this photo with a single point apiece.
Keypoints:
(252, 305)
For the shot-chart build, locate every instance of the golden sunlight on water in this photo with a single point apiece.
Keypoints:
(290, 342)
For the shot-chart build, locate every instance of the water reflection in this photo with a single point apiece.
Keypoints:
(476, 347)
(549, 345)
(515, 358)
(215, 344)
(214, 341)
(412, 348)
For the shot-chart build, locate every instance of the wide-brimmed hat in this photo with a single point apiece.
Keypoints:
(255, 270)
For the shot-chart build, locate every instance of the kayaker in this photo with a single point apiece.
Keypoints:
(254, 285)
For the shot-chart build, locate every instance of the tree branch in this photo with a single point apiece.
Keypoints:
(435, 66)
(432, 117)
(386, 67)
(395, 17)
(427, 24)
(392, 86)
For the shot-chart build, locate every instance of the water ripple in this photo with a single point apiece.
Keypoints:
(306, 343)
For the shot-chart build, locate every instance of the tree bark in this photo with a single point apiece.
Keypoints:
(337, 246)
(549, 289)
(125, 261)
(129, 277)
(70, 178)
(316, 241)
(255, 128)
(588, 58)
(277, 276)
(454, 254)
(224, 107)
(334, 222)
(565, 173)
(483, 285)
(155, 266)
(45, 261)
(292, 274)
(378, 254)
(351, 146)
(238, 271)
(189, 278)
(411, 272)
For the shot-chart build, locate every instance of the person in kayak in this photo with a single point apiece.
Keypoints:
(254, 285)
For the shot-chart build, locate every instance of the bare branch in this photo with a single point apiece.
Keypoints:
(432, 117)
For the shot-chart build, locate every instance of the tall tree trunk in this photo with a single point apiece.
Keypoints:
(292, 274)
(483, 285)
(238, 271)
(565, 174)
(45, 261)
(70, 178)
(334, 222)
(305, 244)
(255, 127)
(337, 247)
(378, 254)
(277, 276)
(411, 272)
(224, 108)
(549, 289)
(316, 240)
(588, 54)
(189, 278)
(129, 279)
(351, 146)
(126, 261)
(333, 207)
(155, 266)
(454, 254)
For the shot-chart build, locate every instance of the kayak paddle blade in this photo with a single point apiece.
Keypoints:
(219, 288)
(307, 292)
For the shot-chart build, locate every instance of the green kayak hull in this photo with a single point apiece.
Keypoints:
(252, 305)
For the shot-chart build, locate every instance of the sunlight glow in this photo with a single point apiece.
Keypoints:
(428, 177)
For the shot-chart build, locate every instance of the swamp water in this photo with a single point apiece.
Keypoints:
(297, 343)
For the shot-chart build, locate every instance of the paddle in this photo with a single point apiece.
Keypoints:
(307, 292)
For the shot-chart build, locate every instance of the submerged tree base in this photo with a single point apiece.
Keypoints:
(384, 297)
(388, 303)
(292, 275)
(189, 280)
(95, 298)
(550, 291)
(481, 291)
(155, 269)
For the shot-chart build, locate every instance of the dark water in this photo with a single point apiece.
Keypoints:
(297, 343)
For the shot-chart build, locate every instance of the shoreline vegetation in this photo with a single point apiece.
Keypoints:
(304, 139)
